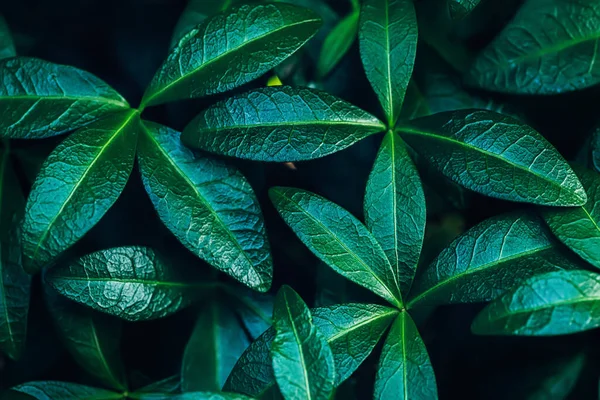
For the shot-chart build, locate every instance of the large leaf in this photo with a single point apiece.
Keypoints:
(208, 205)
(579, 227)
(337, 43)
(230, 49)
(280, 124)
(395, 208)
(549, 47)
(461, 8)
(488, 260)
(495, 155)
(132, 283)
(7, 47)
(302, 360)
(78, 183)
(352, 331)
(39, 99)
(555, 303)
(338, 239)
(404, 370)
(388, 45)
(54, 390)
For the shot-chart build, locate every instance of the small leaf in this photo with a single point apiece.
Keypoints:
(404, 370)
(281, 124)
(338, 239)
(495, 155)
(337, 43)
(388, 45)
(54, 390)
(461, 8)
(561, 381)
(71, 193)
(167, 386)
(595, 147)
(231, 49)
(39, 99)
(555, 303)
(128, 282)
(395, 208)
(7, 46)
(254, 309)
(209, 206)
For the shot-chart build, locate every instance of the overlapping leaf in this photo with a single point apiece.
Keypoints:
(7, 47)
(55, 390)
(337, 43)
(461, 8)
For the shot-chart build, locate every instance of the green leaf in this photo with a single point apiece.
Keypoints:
(404, 370)
(388, 45)
(595, 147)
(196, 396)
(218, 340)
(579, 227)
(167, 386)
(281, 124)
(495, 155)
(461, 8)
(395, 208)
(351, 330)
(337, 43)
(231, 49)
(555, 303)
(132, 283)
(549, 47)
(208, 205)
(7, 46)
(561, 381)
(39, 99)
(81, 179)
(488, 260)
(55, 390)
(339, 239)
(302, 359)
(254, 309)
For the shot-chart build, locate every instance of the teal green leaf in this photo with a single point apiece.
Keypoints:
(54, 390)
(39, 99)
(7, 46)
(388, 37)
(404, 370)
(81, 179)
(579, 227)
(339, 239)
(495, 155)
(560, 382)
(595, 148)
(281, 124)
(254, 309)
(395, 208)
(131, 283)
(337, 43)
(168, 386)
(461, 8)
(488, 260)
(556, 303)
(195, 396)
(230, 49)
(549, 47)
(302, 359)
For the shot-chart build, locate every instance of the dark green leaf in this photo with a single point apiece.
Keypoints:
(254, 309)
(54, 390)
(561, 381)
(595, 148)
(195, 396)
(230, 49)
(337, 43)
(208, 205)
(460, 8)
(495, 155)
(280, 124)
(555, 303)
(39, 99)
(170, 385)
(7, 47)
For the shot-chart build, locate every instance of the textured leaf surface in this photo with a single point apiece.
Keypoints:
(208, 205)
(54, 390)
(280, 124)
(388, 45)
(495, 155)
(337, 43)
(461, 8)
(7, 47)
(550, 47)
(404, 370)
(395, 208)
(302, 360)
(338, 239)
(490, 259)
(230, 49)
(39, 99)
(555, 303)
(77, 184)
(132, 283)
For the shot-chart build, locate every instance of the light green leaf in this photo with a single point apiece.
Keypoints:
(555, 303)
(7, 46)
(39, 99)
(280, 124)
(337, 43)
(230, 49)
(404, 370)
(488, 260)
(549, 47)
(388, 45)
(208, 205)
(495, 155)
(461, 8)
(81, 179)
(339, 239)
(395, 208)
(132, 283)
(302, 359)
(54, 390)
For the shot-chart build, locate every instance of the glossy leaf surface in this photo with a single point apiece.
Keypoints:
(55, 390)
(337, 43)
(7, 47)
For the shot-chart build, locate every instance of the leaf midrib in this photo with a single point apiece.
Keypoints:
(585, 299)
(106, 100)
(113, 378)
(300, 349)
(374, 124)
(134, 281)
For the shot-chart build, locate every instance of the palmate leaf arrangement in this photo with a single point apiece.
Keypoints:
(515, 261)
